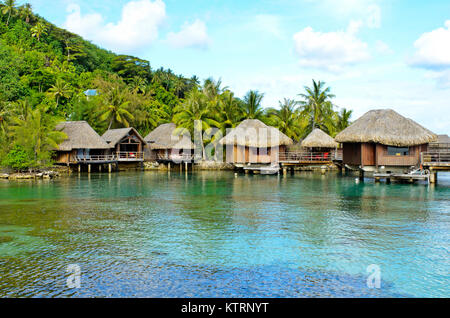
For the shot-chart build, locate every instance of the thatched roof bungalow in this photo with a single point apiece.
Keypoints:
(82, 142)
(165, 143)
(384, 138)
(126, 143)
(319, 140)
(255, 142)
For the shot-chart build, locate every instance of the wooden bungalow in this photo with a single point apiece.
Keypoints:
(384, 139)
(82, 145)
(126, 144)
(166, 144)
(253, 142)
(320, 145)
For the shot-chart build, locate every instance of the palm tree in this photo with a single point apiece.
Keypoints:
(343, 120)
(138, 84)
(37, 134)
(26, 12)
(194, 115)
(228, 111)
(252, 108)
(60, 90)
(316, 103)
(116, 109)
(9, 8)
(38, 30)
(287, 119)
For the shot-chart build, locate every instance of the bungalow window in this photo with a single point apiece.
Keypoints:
(398, 151)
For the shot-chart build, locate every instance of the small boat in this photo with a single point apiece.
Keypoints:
(273, 169)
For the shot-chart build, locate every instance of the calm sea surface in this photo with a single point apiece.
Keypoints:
(211, 234)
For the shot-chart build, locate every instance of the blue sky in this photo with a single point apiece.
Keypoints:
(373, 53)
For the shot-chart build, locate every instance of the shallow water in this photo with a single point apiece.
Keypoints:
(212, 234)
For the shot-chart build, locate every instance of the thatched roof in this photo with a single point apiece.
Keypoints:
(443, 139)
(319, 139)
(254, 133)
(114, 136)
(80, 136)
(166, 137)
(386, 127)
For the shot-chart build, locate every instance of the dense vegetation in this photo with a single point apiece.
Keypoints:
(48, 75)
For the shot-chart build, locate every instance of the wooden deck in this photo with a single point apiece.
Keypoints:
(436, 160)
(302, 158)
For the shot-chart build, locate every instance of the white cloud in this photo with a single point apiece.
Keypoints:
(137, 28)
(193, 35)
(433, 49)
(331, 51)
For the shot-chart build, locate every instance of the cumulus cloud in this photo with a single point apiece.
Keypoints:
(193, 35)
(137, 28)
(433, 49)
(331, 51)
(433, 54)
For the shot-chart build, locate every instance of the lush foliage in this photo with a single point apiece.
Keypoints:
(48, 74)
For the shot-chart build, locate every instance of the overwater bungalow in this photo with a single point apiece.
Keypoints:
(253, 142)
(320, 146)
(126, 144)
(83, 145)
(384, 140)
(166, 144)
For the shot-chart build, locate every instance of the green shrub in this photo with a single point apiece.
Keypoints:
(17, 159)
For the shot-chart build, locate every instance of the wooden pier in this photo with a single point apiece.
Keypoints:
(434, 162)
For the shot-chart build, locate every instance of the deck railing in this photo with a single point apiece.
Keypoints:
(96, 158)
(302, 156)
(130, 156)
(435, 158)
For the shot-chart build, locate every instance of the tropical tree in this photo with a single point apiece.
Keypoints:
(26, 12)
(251, 107)
(195, 111)
(39, 30)
(316, 104)
(228, 112)
(116, 110)
(287, 119)
(37, 135)
(59, 90)
(10, 9)
(343, 120)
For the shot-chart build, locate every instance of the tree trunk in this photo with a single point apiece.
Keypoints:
(110, 123)
(9, 16)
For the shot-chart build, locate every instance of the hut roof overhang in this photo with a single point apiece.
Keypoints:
(254, 133)
(167, 136)
(319, 139)
(114, 136)
(387, 127)
(80, 135)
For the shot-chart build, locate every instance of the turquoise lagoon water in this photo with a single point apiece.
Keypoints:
(212, 234)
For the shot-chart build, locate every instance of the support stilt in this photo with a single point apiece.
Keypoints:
(109, 168)
(79, 168)
(89, 168)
